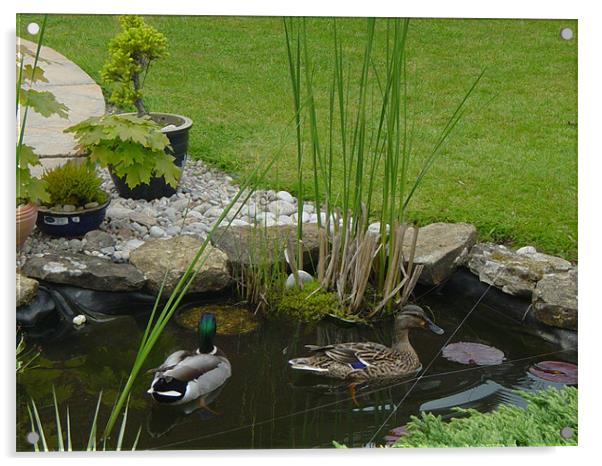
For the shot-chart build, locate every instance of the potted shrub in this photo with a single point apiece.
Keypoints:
(30, 190)
(133, 149)
(76, 202)
(131, 53)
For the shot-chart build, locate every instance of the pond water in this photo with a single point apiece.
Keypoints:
(264, 404)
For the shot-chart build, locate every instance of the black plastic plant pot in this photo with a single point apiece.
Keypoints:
(68, 224)
(176, 128)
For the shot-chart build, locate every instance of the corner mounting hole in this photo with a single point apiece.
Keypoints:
(33, 28)
(566, 33)
(32, 438)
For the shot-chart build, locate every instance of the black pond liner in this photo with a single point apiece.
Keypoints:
(70, 224)
(178, 148)
(501, 309)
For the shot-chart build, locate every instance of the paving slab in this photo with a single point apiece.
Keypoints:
(71, 86)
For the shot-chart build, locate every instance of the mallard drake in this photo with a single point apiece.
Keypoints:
(367, 360)
(188, 375)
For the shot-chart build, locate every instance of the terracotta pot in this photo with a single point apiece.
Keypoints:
(27, 215)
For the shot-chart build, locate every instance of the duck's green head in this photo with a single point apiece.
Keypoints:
(207, 330)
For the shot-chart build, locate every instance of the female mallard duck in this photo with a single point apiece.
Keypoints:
(365, 361)
(188, 375)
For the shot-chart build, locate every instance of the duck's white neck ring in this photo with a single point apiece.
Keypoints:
(212, 352)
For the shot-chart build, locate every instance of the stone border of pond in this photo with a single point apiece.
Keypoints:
(531, 289)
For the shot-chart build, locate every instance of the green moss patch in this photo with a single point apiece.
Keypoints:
(307, 304)
(231, 320)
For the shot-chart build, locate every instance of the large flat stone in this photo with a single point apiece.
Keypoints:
(250, 245)
(157, 257)
(27, 289)
(440, 248)
(555, 300)
(84, 271)
(514, 273)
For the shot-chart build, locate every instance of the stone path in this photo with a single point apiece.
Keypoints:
(72, 87)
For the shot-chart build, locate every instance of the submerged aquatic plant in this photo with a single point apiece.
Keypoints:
(369, 130)
(25, 357)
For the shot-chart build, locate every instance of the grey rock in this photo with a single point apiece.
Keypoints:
(119, 213)
(555, 300)
(214, 212)
(98, 239)
(284, 220)
(132, 244)
(181, 204)
(286, 197)
(156, 257)
(75, 245)
(84, 271)
(374, 228)
(143, 219)
(140, 229)
(69, 208)
(515, 274)
(440, 248)
(173, 230)
(91, 205)
(27, 289)
(157, 232)
(526, 250)
(282, 208)
(247, 245)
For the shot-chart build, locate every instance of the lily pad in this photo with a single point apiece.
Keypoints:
(473, 353)
(231, 320)
(555, 371)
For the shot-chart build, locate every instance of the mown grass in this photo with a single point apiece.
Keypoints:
(510, 167)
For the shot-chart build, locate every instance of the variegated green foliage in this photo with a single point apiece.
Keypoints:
(134, 147)
(131, 53)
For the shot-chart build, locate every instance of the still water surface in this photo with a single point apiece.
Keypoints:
(264, 404)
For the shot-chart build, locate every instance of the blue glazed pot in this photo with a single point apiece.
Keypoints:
(68, 224)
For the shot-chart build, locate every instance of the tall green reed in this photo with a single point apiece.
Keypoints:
(367, 133)
(159, 318)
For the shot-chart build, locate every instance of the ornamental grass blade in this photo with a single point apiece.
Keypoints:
(40, 428)
(59, 431)
(92, 438)
(33, 428)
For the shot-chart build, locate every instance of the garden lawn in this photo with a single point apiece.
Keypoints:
(510, 167)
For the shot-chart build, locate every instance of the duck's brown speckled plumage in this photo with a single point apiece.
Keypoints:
(360, 361)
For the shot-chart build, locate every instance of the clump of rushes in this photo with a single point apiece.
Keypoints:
(74, 183)
(133, 147)
(131, 53)
(369, 129)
